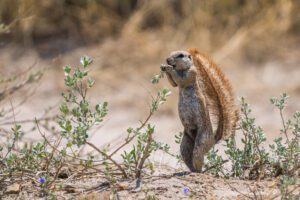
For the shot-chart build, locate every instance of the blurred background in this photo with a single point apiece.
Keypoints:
(256, 43)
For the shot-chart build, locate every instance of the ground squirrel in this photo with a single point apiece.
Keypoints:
(205, 99)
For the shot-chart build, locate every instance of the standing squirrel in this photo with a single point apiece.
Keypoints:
(205, 99)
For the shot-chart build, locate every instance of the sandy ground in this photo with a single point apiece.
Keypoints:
(162, 185)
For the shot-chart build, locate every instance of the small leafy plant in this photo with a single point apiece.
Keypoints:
(134, 159)
(77, 117)
(46, 160)
(252, 161)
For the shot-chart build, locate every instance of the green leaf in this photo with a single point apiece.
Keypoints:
(64, 108)
(69, 81)
(91, 82)
(68, 126)
(67, 70)
(86, 61)
(129, 130)
(166, 92)
(105, 104)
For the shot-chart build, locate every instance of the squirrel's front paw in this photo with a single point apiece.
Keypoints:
(165, 67)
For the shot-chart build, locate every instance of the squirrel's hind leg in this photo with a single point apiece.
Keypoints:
(186, 150)
(203, 143)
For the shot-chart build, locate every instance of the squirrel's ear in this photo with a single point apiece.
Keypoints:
(193, 51)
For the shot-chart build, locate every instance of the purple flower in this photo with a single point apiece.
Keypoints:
(186, 191)
(42, 180)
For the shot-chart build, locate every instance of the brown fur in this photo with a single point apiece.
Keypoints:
(219, 92)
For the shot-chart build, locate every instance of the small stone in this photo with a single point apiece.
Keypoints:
(13, 189)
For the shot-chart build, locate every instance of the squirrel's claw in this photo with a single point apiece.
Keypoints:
(165, 67)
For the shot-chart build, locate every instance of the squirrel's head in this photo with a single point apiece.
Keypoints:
(180, 60)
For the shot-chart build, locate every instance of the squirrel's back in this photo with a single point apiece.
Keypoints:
(219, 94)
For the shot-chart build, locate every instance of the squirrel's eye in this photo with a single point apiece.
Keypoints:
(180, 56)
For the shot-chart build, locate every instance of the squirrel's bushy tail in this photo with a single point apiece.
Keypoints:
(219, 95)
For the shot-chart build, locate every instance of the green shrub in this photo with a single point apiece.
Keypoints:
(44, 160)
(252, 160)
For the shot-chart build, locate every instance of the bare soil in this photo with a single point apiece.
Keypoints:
(162, 185)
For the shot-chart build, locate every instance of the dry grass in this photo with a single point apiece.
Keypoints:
(260, 26)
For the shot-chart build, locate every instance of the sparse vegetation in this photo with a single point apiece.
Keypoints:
(50, 156)
(44, 162)
(253, 161)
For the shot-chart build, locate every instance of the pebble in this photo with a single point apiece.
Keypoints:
(13, 189)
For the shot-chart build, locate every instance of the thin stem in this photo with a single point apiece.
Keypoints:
(53, 147)
(56, 174)
(284, 125)
(48, 160)
(128, 140)
(29, 120)
(15, 134)
(109, 158)
(214, 166)
(146, 154)
(132, 137)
